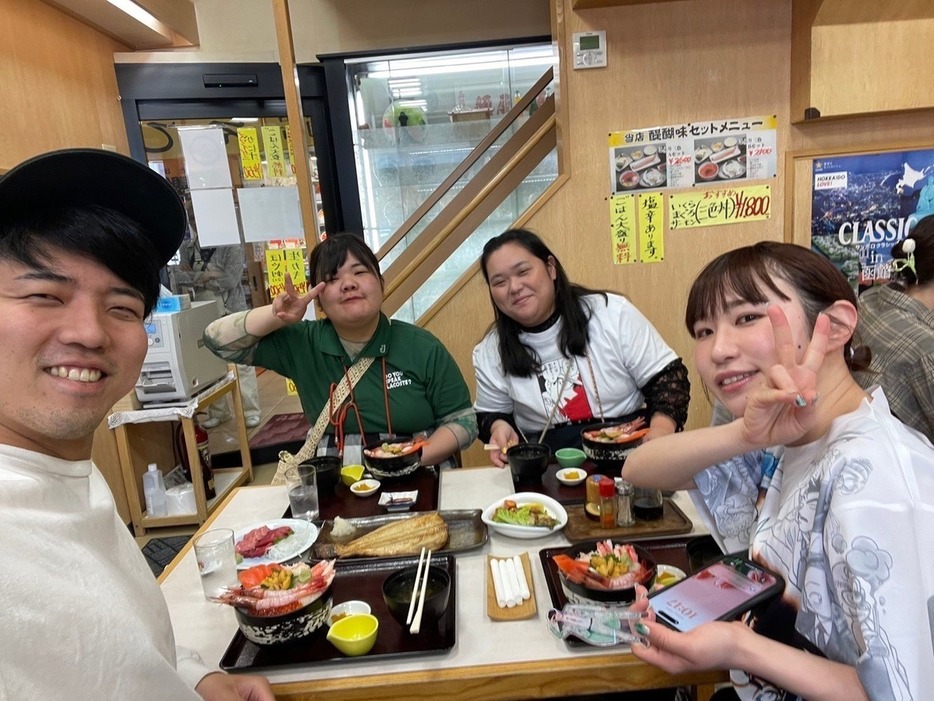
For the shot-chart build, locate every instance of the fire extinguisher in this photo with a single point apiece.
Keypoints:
(202, 442)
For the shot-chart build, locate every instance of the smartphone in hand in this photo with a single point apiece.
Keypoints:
(722, 591)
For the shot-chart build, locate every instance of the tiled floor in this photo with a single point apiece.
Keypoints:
(273, 400)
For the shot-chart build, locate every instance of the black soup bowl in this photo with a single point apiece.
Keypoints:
(328, 468)
(528, 461)
(383, 464)
(397, 593)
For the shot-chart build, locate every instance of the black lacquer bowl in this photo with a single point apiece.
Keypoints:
(579, 593)
(289, 627)
(607, 454)
(528, 461)
(395, 466)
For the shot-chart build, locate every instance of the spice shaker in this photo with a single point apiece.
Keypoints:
(624, 492)
(607, 504)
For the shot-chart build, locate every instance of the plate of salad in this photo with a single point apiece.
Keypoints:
(525, 515)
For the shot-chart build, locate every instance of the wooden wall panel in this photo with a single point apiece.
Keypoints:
(59, 86)
(669, 63)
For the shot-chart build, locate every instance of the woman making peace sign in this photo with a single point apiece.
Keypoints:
(843, 515)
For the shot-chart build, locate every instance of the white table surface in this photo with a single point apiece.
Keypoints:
(209, 627)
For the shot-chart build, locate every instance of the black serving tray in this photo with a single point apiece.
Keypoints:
(687, 554)
(362, 580)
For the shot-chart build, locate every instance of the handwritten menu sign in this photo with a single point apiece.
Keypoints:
(250, 161)
(714, 207)
(275, 154)
(282, 261)
(651, 227)
(623, 229)
(694, 153)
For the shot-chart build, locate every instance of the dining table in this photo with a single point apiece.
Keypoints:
(490, 659)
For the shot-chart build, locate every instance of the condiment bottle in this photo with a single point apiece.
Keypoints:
(592, 486)
(624, 515)
(607, 504)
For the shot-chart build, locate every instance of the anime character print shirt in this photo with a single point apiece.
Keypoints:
(847, 521)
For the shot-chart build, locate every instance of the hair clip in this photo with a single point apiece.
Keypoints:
(899, 265)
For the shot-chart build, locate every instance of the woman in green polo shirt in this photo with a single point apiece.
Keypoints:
(412, 387)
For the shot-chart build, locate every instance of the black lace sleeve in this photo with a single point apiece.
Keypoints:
(485, 421)
(669, 393)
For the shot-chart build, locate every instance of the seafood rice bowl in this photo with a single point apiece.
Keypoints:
(277, 604)
(610, 443)
(394, 457)
(603, 572)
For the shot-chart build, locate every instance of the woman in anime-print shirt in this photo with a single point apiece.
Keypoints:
(845, 515)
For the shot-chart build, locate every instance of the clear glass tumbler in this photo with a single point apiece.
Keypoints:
(302, 484)
(217, 563)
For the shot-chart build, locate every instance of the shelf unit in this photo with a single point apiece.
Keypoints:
(151, 439)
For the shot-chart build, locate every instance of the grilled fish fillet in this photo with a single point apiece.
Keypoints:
(405, 537)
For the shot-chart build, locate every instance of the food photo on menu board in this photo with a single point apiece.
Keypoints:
(720, 158)
(640, 166)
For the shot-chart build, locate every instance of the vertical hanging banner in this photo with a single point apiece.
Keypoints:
(282, 261)
(693, 153)
(714, 207)
(651, 227)
(250, 163)
(275, 155)
(623, 229)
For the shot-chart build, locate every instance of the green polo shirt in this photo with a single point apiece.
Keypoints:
(425, 385)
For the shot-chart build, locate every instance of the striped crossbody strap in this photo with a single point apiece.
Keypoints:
(286, 459)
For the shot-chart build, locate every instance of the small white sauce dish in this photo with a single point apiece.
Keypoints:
(398, 501)
(364, 488)
(571, 476)
(348, 608)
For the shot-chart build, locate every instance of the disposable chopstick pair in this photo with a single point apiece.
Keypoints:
(417, 620)
(509, 583)
(418, 576)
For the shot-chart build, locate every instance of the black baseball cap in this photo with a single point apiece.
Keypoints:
(94, 177)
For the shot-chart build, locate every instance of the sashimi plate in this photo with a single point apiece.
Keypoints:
(304, 534)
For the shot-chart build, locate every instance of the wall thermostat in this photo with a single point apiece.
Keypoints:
(589, 49)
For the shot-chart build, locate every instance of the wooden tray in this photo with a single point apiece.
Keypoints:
(355, 579)
(580, 527)
(466, 531)
(526, 609)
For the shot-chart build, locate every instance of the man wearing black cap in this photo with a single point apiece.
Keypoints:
(83, 235)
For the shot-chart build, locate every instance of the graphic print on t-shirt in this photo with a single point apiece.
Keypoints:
(572, 404)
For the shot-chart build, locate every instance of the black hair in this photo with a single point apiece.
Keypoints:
(923, 236)
(329, 255)
(745, 271)
(518, 359)
(102, 235)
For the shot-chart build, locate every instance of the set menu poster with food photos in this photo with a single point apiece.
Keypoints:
(714, 152)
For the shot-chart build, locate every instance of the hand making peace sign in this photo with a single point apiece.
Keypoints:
(289, 306)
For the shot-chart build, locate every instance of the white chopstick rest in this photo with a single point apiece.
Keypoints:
(418, 574)
(520, 576)
(498, 583)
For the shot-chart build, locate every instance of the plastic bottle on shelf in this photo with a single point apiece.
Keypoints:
(154, 491)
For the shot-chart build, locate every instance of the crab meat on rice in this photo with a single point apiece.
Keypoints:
(275, 590)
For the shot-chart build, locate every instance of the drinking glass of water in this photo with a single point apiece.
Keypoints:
(302, 483)
(217, 562)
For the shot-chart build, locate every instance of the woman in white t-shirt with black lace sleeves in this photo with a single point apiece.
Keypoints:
(553, 342)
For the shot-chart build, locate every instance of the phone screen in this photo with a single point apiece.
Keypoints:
(722, 590)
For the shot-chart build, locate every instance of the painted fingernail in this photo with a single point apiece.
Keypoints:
(642, 629)
(800, 401)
